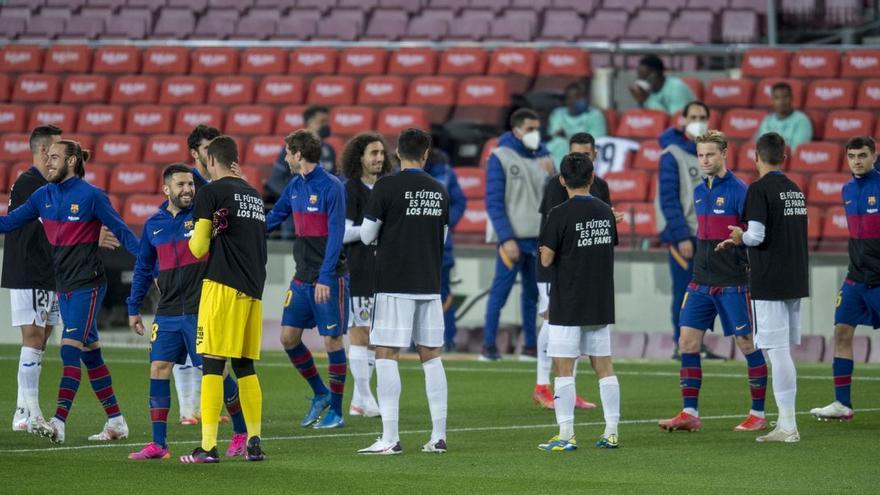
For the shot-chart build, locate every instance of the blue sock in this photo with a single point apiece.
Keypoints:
(842, 369)
(302, 360)
(70, 378)
(233, 406)
(102, 382)
(757, 378)
(337, 369)
(160, 401)
(691, 376)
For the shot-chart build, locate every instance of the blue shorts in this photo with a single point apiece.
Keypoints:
(857, 304)
(173, 338)
(331, 317)
(79, 310)
(703, 303)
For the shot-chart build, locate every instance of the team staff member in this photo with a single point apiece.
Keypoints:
(173, 333)
(779, 273)
(231, 226)
(318, 293)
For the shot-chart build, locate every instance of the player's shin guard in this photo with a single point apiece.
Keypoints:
(563, 387)
(251, 403)
(29, 366)
(544, 361)
(388, 390)
(70, 359)
(784, 386)
(160, 401)
(609, 392)
(233, 405)
(102, 382)
(691, 376)
(301, 358)
(757, 380)
(336, 371)
(212, 400)
(437, 391)
(842, 369)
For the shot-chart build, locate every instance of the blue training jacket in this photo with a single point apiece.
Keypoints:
(860, 200)
(719, 206)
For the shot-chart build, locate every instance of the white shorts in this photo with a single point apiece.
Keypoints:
(573, 342)
(777, 323)
(543, 297)
(399, 321)
(361, 312)
(33, 307)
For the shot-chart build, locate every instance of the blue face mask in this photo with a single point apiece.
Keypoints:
(580, 107)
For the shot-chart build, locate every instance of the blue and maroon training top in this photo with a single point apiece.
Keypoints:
(719, 203)
(861, 200)
(72, 213)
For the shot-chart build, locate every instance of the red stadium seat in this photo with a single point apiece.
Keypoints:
(436, 94)
(348, 121)
(631, 185)
(255, 176)
(337, 143)
(135, 90)
(312, 61)
(763, 97)
(114, 148)
(85, 89)
(472, 181)
(413, 62)
(474, 219)
(482, 100)
(463, 61)
(4, 204)
(116, 202)
(642, 124)
(800, 180)
(98, 175)
(75, 59)
(183, 89)
(638, 219)
(517, 65)
(165, 149)
(331, 90)
(5, 87)
(695, 85)
(765, 62)
(21, 58)
(816, 157)
(190, 116)
(263, 150)
(834, 226)
(281, 90)
(815, 63)
(117, 60)
(86, 141)
(250, 119)
(101, 119)
(382, 90)
(843, 124)
(214, 60)
(729, 93)
(742, 123)
(12, 118)
(133, 178)
(392, 120)
(140, 207)
(263, 60)
(861, 63)
(831, 93)
(231, 90)
(17, 169)
(15, 147)
(36, 88)
(869, 95)
(825, 188)
(4, 178)
(290, 118)
(150, 119)
(171, 60)
(488, 146)
(363, 61)
(558, 67)
(648, 156)
(63, 116)
(814, 223)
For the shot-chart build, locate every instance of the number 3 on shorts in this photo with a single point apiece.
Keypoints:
(287, 298)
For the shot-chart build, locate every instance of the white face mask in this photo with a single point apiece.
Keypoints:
(532, 140)
(695, 129)
(643, 84)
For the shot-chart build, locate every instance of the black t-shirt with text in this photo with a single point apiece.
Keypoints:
(27, 254)
(554, 195)
(238, 240)
(361, 258)
(582, 232)
(413, 209)
(779, 266)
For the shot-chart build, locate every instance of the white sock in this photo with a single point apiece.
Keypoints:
(195, 375)
(359, 364)
(784, 378)
(544, 361)
(388, 390)
(183, 385)
(692, 411)
(29, 366)
(563, 388)
(437, 391)
(22, 360)
(609, 392)
(759, 414)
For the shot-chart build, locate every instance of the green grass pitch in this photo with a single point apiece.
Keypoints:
(494, 430)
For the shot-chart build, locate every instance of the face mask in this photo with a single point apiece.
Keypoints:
(580, 106)
(532, 140)
(644, 84)
(324, 132)
(695, 129)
